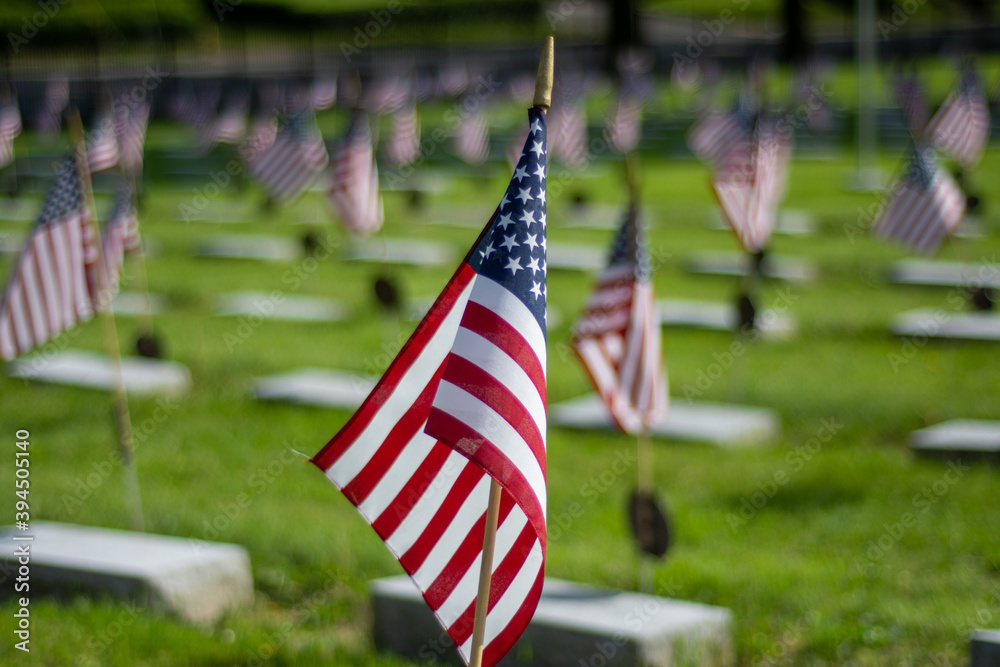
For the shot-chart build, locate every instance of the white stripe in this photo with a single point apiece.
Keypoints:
(510, 603)
(413, 526)
(468, 586)
(481, 418)
(490, 294)
(471, 511)
(35, 305)
(398, 474)
(20, 324)
(402, 397)
(497, 362)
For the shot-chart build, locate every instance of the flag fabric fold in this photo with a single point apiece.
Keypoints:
(961, 127)
(464, 401)
(10, 127)
(102, 149)
(355, 194)
(617, 338)
(52, 285)
(131, 120)
(290, 164)
(923, 206)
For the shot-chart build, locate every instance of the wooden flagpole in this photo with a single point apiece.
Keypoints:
(543, 100)
(123, 421)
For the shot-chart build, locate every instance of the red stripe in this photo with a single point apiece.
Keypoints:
(397, 370)
(396, 440)
(457, 495)
(389, 520)
(487, 456)
(507, 637)
(503, 575)
(497, 330)
(493, 392)
(468, 552)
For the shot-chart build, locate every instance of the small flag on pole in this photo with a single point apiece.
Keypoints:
(463, 402)
(51, 287)
(102, 149)
(568, 132)
(618, 335)
(625, 124)
(130, 126)
(293, 160)
(472, 144)
(924, 206)
(910, 97)
(120, 236)
(961, 126)
(719, 138)
(403, 145)
(10, 127)
(355, 194)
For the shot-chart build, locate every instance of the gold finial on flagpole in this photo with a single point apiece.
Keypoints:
(543, 82)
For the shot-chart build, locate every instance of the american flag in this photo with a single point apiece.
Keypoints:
(387, 95)
(130, 126)
(618, 335)
(120, 236)
(910, 97)
(924, 206)
(293, 160)
(749, 186)
(961, 126)
(719, 138)
(568, 135)
(229, 127)
(10, 127)
(472, 143)
(403, 145)
(463, 402)
(102, 149)
(50, 289)
(355, 194)
(48, 118)
(625, 125)
(324, 94)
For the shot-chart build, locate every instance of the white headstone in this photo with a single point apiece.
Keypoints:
(241, 246)
(94, 371)
(779, 267)
(770, 323)
(937, 323)
(281, 306)
(317, 386)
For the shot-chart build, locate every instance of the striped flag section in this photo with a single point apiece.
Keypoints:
(961, 126)
(102, 149)
(403, 145)
(472, 143)
(120, 235)
(50, 289)
(293, 160)
(718, 138)
(229, 127)
(355, 195)
(568, 133)
(131, 121)
(910, 97)
(924, 206)
(749, 186)
(323, 94)
(463, 402)
(625, 124)
(618, 335)
(10, 127)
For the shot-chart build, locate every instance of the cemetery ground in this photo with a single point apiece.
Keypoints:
(832, 546)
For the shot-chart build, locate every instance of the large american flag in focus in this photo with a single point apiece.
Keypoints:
(463, 402)
(293, 160)
(50, 289)
(618, 335)
(924, 206)
(961, 126)
(355, 194)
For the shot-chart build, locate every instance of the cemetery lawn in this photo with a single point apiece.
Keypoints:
(833, 546)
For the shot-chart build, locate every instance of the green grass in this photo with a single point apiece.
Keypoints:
(800, 573)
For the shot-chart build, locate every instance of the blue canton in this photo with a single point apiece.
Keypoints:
(630, 246)
(65, 196)
(512, 251)
(922, 169)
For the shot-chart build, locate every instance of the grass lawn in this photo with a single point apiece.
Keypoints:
(817, 569)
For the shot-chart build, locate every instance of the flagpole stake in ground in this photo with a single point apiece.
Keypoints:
(123, 421)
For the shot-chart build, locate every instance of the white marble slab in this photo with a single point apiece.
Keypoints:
(266, 248)
(779, 267)
(958, 436)
(404, 251)
(94, 371)
(935, 273)
(318, 387)
(576, 257)
(715, 316)
(935, 323)
(287, 307)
